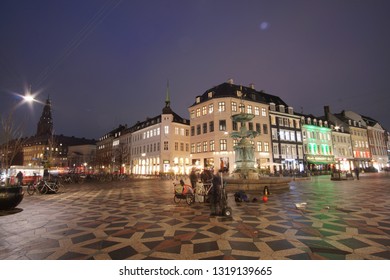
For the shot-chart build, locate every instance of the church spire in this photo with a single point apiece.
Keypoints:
(45, 124)
(167, 109)
(167, 98)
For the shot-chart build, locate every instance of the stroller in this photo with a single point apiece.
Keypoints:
(183, 192)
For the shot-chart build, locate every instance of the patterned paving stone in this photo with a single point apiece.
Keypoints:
(122, 253)
(279, 245)
(244, 246)
(206, 247)
(103, 244)
(125, 220)
(353, 243)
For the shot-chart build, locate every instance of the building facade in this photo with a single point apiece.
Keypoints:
(317, 143)
(211, 124)
(47, 149)
(342, 149)
(157, 145)
(376, 142)
(286, 137)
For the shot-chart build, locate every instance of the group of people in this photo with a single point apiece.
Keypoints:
(214, 193)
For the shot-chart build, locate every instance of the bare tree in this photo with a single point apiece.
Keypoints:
(11, 141)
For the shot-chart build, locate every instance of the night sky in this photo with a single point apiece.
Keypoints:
(105, 63)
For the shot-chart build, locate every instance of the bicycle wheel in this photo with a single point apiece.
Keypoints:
(44, 189)
(30, 189)
(60, 187)
(176, 199)
(56, 188)
(190, 198)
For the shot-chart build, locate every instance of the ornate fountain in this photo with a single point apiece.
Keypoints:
(244, 150)
(245, 176)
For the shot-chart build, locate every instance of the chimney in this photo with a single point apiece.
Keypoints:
(230, 81)
(252, 85)
(327, 112)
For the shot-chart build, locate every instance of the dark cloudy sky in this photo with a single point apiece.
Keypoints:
(107, 62)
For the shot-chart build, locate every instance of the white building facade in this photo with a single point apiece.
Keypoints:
(211, 124)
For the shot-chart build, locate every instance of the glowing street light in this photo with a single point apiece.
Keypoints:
(29, 98)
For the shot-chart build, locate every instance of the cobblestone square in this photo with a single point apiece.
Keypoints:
(138, 219)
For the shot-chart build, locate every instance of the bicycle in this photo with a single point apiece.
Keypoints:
(34, 187)
(43, 187)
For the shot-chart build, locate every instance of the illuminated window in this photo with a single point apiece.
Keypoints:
(211, 108)
(223, 145)
(259, 146)
(205, 146)
(221, 107)
(234, 107)
(212, 146)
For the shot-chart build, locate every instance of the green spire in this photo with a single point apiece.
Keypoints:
(167, 109)
(167, 98)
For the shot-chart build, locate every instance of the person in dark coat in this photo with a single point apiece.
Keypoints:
(20, 178)
(193, 178)
(215, 197)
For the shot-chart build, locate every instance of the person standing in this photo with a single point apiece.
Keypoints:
(193, 178)
(19, 176)
(215, 195)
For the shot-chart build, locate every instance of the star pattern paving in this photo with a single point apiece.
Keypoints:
(138, 219)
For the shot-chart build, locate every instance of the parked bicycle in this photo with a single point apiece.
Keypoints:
(44, 187)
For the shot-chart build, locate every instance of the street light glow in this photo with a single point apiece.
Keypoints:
(29, 98)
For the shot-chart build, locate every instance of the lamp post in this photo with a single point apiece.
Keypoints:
(12, 141)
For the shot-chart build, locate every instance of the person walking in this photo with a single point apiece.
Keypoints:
(357, 172)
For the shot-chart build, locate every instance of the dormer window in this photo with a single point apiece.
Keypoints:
(210, 94)
(239, 94)
(197, 100)
(281, 108)
(272, 106)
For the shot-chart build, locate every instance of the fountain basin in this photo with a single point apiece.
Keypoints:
(273, 183)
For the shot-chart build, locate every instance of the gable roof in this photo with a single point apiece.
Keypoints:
(248, 93)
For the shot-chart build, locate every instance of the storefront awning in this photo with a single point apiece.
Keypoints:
(320, 159)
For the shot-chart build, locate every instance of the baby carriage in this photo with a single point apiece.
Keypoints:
(183, 192)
